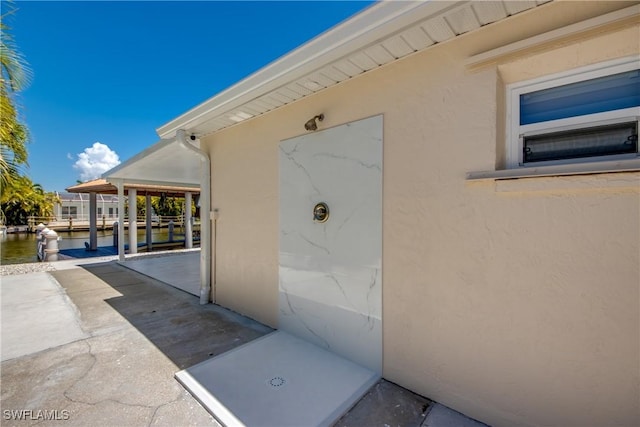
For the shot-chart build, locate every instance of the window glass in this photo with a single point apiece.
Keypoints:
(613, 92)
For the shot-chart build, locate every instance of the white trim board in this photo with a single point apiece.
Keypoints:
(495, 55)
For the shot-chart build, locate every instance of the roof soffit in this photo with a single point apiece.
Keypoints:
(166, 162)
(382, 33)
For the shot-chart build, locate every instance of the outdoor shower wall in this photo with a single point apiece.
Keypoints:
(330, 289)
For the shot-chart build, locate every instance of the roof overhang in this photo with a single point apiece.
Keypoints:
(102, 186)
(167, 163)
(381, 34)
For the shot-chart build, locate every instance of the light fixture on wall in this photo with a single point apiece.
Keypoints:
(311, 124)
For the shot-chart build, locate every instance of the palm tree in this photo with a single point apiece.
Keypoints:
(14, 201)
(14, 76)
(23, 199)
(13, 139)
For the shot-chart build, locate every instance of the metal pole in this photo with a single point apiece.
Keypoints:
(81, 207)
(93, 223)
(170, 228)
(120, 186)
(149, 224)
(188, 234)
(133, 221)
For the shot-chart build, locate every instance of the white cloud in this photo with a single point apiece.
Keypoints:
(95, 160)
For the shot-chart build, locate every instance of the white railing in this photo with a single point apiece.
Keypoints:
(103, 221)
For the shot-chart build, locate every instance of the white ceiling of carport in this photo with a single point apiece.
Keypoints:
(164, 162)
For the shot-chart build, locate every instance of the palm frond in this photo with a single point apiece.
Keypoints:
(15, 73)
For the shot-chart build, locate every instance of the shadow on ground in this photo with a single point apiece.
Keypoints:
(173, 320)
(188, 333)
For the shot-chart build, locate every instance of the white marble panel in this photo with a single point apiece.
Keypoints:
(330, 273)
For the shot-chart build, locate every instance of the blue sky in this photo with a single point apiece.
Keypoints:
(112, 72)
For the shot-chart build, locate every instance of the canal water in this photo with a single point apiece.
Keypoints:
(18, 248)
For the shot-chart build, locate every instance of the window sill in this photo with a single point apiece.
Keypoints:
(558, 170)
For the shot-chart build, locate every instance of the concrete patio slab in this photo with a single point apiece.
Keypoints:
(119, 371)
(111, 380)
(36, 315)
(181, 271)
(441, 416)
(386, 404)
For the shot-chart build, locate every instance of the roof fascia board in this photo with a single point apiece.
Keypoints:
(374, 23)
(146, 182)
(113, 172)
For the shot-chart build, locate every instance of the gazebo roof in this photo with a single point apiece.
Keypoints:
(102, 186)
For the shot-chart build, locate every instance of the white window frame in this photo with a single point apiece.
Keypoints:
(67, 212)
(515, 132)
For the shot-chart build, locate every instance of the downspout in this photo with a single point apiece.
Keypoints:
(205, 214)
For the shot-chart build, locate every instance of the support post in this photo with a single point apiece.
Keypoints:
(170, 228)
(120, 186)
(149, 230)
(188, 234)
(82, 217)
(133, 223)
(207, 286)
(93, 222)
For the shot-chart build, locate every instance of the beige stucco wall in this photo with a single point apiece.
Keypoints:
(516, 302)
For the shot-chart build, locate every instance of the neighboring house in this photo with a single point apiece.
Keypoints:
(76, 206)
(479, 164)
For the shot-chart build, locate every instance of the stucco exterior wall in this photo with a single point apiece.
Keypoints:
(516, 302)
